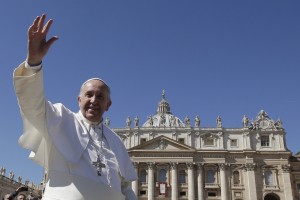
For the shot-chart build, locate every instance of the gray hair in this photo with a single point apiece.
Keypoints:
(99, 79)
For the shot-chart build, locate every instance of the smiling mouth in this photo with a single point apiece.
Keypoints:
(93, 109)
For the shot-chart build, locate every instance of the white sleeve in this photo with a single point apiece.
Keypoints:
(35, 68)
(29, 90)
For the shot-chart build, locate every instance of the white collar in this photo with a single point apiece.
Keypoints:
(88, 122)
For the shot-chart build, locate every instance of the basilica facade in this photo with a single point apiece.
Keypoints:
(179, 159)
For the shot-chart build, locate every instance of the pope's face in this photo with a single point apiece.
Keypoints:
(94, 100)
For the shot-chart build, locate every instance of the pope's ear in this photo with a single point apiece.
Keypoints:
(108, 105)
(78, 99)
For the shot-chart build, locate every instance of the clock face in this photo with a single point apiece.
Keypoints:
(264, 124)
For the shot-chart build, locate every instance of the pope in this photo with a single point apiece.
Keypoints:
(83, 158)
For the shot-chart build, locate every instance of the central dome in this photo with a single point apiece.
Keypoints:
(163, 116)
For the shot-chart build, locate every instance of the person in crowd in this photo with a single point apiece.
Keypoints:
(16, 193)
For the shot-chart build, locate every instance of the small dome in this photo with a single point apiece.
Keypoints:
(163, 105)
(163, 116)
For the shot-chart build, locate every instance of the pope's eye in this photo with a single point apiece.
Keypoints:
(100, 96)
(88, 95)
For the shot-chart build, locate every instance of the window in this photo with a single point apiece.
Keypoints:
(210, 176)
(181, 140)
(143, 192)
(238, 194)
(269, 178)
(143, 140)
(236, 178)
(143, 176)
(211, 194)
(182, 193)
(233, 143)
(209, 141)
(264, 140)
(181, 177)
(298, 188)
(162, 175)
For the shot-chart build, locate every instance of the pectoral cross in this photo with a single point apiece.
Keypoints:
(98, 165)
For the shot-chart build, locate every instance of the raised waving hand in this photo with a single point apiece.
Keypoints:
(38, 45)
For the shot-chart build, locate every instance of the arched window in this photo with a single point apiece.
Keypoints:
(269, 178)
(143, 176)
(181, 177)
(162, 175)
(272, 196)
(210, 176)
(236, 178)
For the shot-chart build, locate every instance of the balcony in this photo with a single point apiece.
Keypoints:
(143, 184)
(238, 186)
(271, 187)
(212, 185)
(183, 185)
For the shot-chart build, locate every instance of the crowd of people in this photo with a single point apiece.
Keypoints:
(21, 193)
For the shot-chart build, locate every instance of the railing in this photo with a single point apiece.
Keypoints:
(238, 186)
(183, 184)
(143, 183)
(211, 185)
(271, 187)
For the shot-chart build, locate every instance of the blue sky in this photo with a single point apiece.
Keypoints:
(226, 58)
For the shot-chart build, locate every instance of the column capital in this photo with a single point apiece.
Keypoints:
(200, 165)
(223, 166)
(286, 168)
(250, 166)
(173, 165)
(151, 165)
(190, 165)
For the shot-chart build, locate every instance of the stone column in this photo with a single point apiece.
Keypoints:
(174, 185)
(136, 139)
(224, 182)
(251, 181)
(135, 184)
(288, 194)
(151, 181)
(247, 143)
(191, 183)
(200, 182)
(189, 138)
(221, 140)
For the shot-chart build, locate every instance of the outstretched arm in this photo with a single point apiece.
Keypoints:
(29, 89)
(38, 46)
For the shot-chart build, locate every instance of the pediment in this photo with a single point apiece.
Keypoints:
(162, 143)
(264, 122)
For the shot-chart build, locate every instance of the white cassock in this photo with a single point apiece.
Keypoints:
(60, 141)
